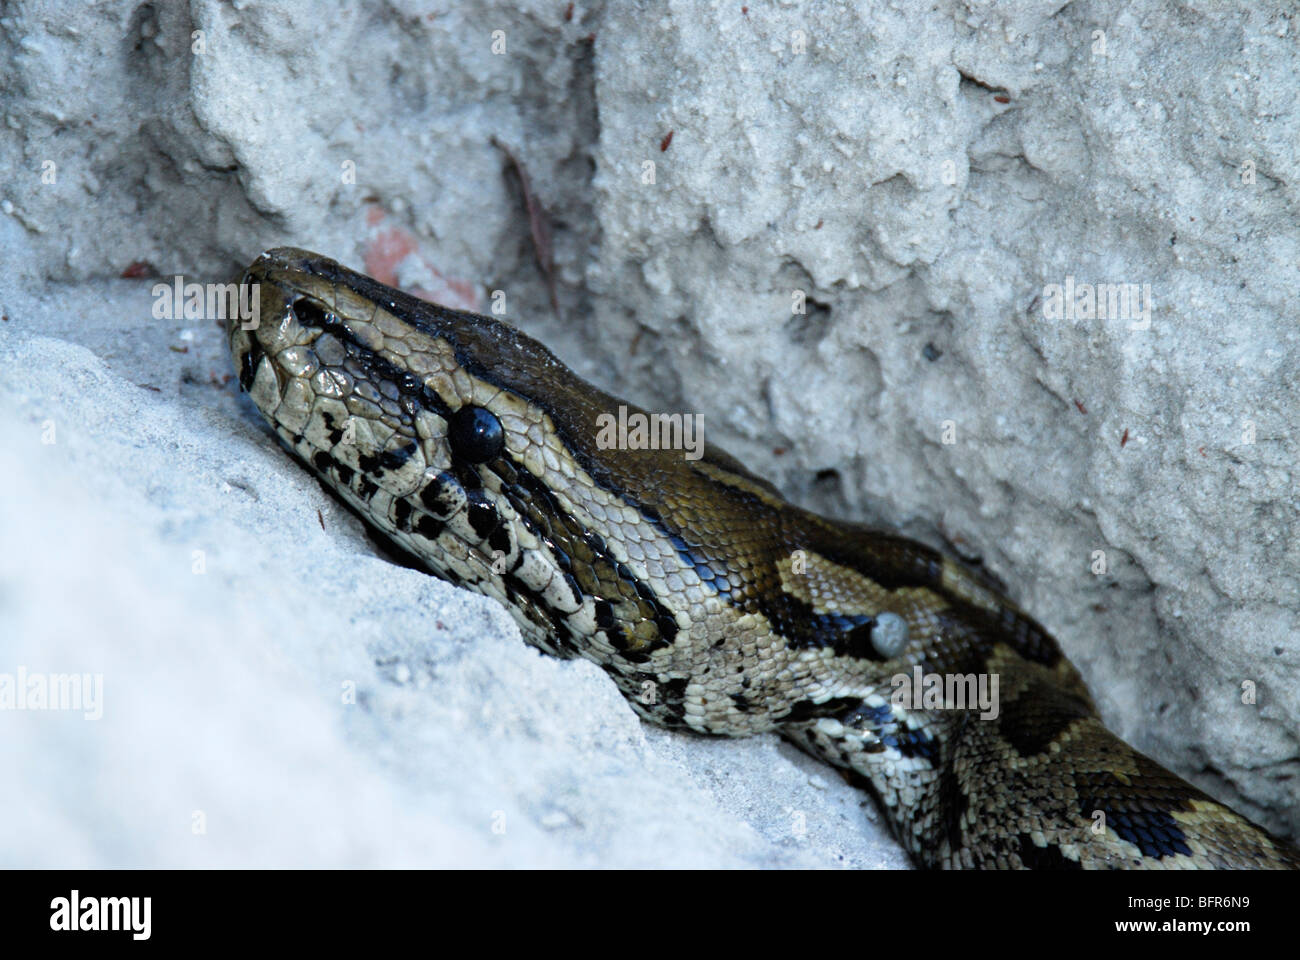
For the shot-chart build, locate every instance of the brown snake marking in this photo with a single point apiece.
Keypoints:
(474, 449)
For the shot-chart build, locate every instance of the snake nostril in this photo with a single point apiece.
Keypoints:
(309, 312)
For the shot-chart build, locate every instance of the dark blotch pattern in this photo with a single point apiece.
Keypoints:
(1037, 717)
(1141, 811)
(438, 495)
(1050, 857)
(483, 515)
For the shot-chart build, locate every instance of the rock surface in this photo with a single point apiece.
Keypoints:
(923, 185)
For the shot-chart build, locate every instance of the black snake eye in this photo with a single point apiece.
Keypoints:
(475, 434)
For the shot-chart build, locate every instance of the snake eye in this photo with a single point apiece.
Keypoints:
(475, 434)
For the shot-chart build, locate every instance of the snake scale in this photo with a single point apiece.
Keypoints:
(713, 604)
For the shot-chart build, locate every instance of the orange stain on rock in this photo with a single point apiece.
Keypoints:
(391, 250)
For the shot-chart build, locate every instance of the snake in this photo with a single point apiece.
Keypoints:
(715, 606)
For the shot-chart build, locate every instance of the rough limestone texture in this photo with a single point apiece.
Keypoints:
(843, 233)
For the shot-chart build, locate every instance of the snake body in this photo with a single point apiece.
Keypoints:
(713, 604)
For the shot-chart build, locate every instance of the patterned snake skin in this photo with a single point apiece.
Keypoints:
(715, 606)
